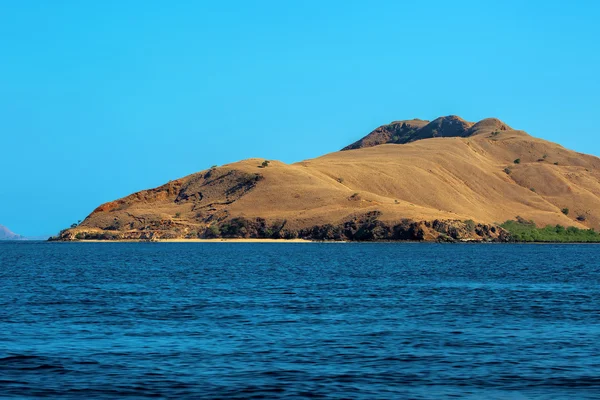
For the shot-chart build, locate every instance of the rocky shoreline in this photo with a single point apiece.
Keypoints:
(366, 228)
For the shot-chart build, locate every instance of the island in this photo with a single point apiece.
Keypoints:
(445, 180)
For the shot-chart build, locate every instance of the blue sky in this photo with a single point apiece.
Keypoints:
(101, 99)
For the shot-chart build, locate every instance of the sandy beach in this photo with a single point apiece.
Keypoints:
(235, 241)
(201, 241)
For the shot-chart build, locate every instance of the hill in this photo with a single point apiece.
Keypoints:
(6, 234)
(447, 179)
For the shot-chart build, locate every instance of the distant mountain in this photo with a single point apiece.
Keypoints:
(411, 179)
(6, 234)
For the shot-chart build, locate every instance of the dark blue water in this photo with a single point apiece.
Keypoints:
(298, 320)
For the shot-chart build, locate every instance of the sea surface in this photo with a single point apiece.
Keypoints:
(337, 320)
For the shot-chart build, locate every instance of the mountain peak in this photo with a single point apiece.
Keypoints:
(400, 132)
(489, 125)
(7, 234)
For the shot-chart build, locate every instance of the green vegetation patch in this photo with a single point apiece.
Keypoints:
(526, 231)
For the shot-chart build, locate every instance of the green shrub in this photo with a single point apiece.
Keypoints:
(289, 234)
(213, 231)
(265, 164)
(470, 225)
(517, 161)
(526, 231)
(565, 211)
(237, 227)
(507, 170)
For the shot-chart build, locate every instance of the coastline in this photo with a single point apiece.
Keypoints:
(197, 241)
(250, 240)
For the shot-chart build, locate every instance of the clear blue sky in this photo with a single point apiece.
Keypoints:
(101, 99)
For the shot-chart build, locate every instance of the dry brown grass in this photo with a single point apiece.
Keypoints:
(440, 178)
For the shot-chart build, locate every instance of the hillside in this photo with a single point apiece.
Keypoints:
(448, 179)
(6, 234)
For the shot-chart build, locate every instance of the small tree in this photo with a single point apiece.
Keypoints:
(517, 161)
(470, 225)
(265, 163)
(213, 231)
(565, 211)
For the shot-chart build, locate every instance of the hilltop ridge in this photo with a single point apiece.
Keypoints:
(401, 132)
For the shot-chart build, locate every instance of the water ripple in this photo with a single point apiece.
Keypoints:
(293, 321)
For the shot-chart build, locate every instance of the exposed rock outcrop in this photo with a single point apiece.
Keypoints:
(365, 228)
(400, 132)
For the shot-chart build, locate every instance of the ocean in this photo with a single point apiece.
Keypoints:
(321, 320)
